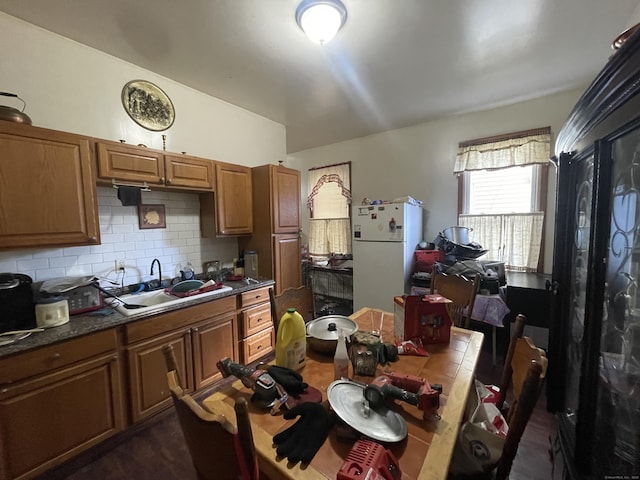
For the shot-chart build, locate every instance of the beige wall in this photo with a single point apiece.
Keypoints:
(418, 160)
(74, 88)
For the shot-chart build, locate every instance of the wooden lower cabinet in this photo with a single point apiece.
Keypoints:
(288, 270)
(52, 417)
(256, 325)
(148, 388)
(207, 333)
(212, 341)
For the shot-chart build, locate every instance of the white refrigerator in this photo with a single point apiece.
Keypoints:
(384, 240)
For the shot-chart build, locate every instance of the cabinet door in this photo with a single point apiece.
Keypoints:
(191, 172)
(286, 200)
(233, 199)
(288, 269)
(212, 341)
(148, 373)
(47, 188)
(127, 162)
(53, 417)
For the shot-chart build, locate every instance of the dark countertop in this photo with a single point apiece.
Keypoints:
(79, 325)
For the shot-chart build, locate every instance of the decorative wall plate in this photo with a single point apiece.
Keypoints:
(148, 105)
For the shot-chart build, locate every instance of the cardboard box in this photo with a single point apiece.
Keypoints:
(424, 317)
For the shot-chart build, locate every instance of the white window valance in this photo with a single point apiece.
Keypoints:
(330, 191)
(510, 150)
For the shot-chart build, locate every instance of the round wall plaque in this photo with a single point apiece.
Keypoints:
(148, 105)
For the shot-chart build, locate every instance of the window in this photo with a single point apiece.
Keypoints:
(329, 202)
(503, 195)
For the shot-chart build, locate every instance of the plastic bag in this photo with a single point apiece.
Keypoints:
(481, 437)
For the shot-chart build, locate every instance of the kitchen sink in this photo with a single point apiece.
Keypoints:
(156, 300)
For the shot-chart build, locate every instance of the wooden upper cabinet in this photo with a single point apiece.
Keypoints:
(129, 163)
(231, 213)
(286, 199)
(47, 188)
(191, 172)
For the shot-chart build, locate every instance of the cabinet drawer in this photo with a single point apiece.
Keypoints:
(256, 319)
(55, 356)
(258, 345)
(166, 322)
(253, 297)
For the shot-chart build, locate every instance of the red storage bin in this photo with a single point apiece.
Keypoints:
(426, 258)
(422, 316)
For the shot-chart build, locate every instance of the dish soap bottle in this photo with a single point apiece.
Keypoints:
(291, 343)
(341, 358)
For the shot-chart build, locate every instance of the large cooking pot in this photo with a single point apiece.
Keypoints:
(13, 114)
(322, 333)
(457, 234)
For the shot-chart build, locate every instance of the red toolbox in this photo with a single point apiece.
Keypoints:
(425, 317)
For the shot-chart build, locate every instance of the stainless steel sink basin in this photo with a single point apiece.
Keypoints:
(156, 300)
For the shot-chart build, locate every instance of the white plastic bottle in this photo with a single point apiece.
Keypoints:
(341, 358)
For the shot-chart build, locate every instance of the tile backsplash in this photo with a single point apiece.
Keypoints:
(180, 242)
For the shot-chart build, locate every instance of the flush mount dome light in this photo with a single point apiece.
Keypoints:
(320, 20)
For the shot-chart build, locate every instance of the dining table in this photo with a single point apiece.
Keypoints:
(427, 449)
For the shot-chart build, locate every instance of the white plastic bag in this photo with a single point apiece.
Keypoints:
(481, 437)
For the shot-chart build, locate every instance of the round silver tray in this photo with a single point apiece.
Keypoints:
(346, 398)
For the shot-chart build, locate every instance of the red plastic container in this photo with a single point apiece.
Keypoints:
(426, 258)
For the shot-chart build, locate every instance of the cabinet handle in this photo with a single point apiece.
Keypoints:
(93, 239)
(168, 181)
(259, 347)
(195, 329)
(161, 179)
(56, 355)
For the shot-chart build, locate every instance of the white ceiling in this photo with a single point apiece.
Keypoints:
(395, 63)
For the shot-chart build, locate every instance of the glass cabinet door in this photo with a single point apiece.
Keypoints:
(617, 417)
(579, 268)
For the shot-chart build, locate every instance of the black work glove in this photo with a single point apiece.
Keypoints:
(290, 380)
(301, 441)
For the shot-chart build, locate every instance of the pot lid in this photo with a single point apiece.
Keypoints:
(326, 328)
(347, 400)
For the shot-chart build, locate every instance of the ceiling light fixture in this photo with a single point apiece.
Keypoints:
(320, 20)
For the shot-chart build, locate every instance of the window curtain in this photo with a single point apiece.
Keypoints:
(329, 201)
(327, 236)
(511, 150)
(514, 239)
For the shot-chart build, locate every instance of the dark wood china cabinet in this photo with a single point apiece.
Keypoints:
(594, 343)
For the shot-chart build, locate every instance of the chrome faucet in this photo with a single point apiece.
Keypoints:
(155, 260)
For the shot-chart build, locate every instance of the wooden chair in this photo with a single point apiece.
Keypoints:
(528, 367)
(507, 372)
(462, 293)
(300, 298)
(218, 449)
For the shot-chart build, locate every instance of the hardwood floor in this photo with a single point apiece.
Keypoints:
(158, 452)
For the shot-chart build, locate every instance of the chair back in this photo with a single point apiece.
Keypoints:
(462, 293)
(529, 366)
(505, 381)
(218, 449)
(300, 298)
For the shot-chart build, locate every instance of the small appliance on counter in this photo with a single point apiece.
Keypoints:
(52, 311)
(77, 291)
(251, 264)
(17, 310)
